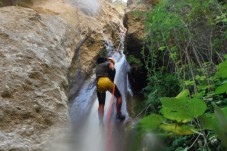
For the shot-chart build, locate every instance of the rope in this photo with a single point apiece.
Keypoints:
(108, 143)
(107, 124)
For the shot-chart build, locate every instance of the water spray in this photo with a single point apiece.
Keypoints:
(88, 7)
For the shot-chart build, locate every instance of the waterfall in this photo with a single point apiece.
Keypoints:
(84, 109)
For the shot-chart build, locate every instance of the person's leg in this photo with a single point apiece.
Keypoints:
(101, 99)
(117, 94)
(112, 88)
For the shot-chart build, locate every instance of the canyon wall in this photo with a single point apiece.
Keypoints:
(134, 21)
(47, 50)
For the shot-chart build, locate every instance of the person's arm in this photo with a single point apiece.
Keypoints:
(111, 66)
(112, 71)
(112, 74)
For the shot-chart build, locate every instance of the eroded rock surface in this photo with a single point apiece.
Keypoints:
(134, 21)
(42, 49)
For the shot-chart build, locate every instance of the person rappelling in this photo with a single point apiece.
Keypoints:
(105, 73)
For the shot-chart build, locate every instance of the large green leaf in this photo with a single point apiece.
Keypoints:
(222, 70)
(221, 123)
(221, 89)
(183, 94)
(207, 121)
(225, 56)
(178, 129)
(216, 121)
(150, 122)
(224, 110)
(182, 110)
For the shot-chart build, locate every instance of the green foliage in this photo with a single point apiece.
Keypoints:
(177, 55)
(178, 129)
(176, 32)
(179, 113)
(189, 82)
(209, 120)
(222, 75)
(151, 122)
(177, 143)
(183, 94)
(216, 121)
(132, 60)
(222, 72)
(221, 89)
(184, 43)
(220, 123)
(225, 56)
(160, 85)
(182, 110)
(161, 82)
(222, 18)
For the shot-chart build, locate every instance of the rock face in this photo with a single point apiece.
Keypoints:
(134, 21)
(46, 52)
(33, 68)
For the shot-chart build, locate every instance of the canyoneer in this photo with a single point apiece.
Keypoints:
(105, 73)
